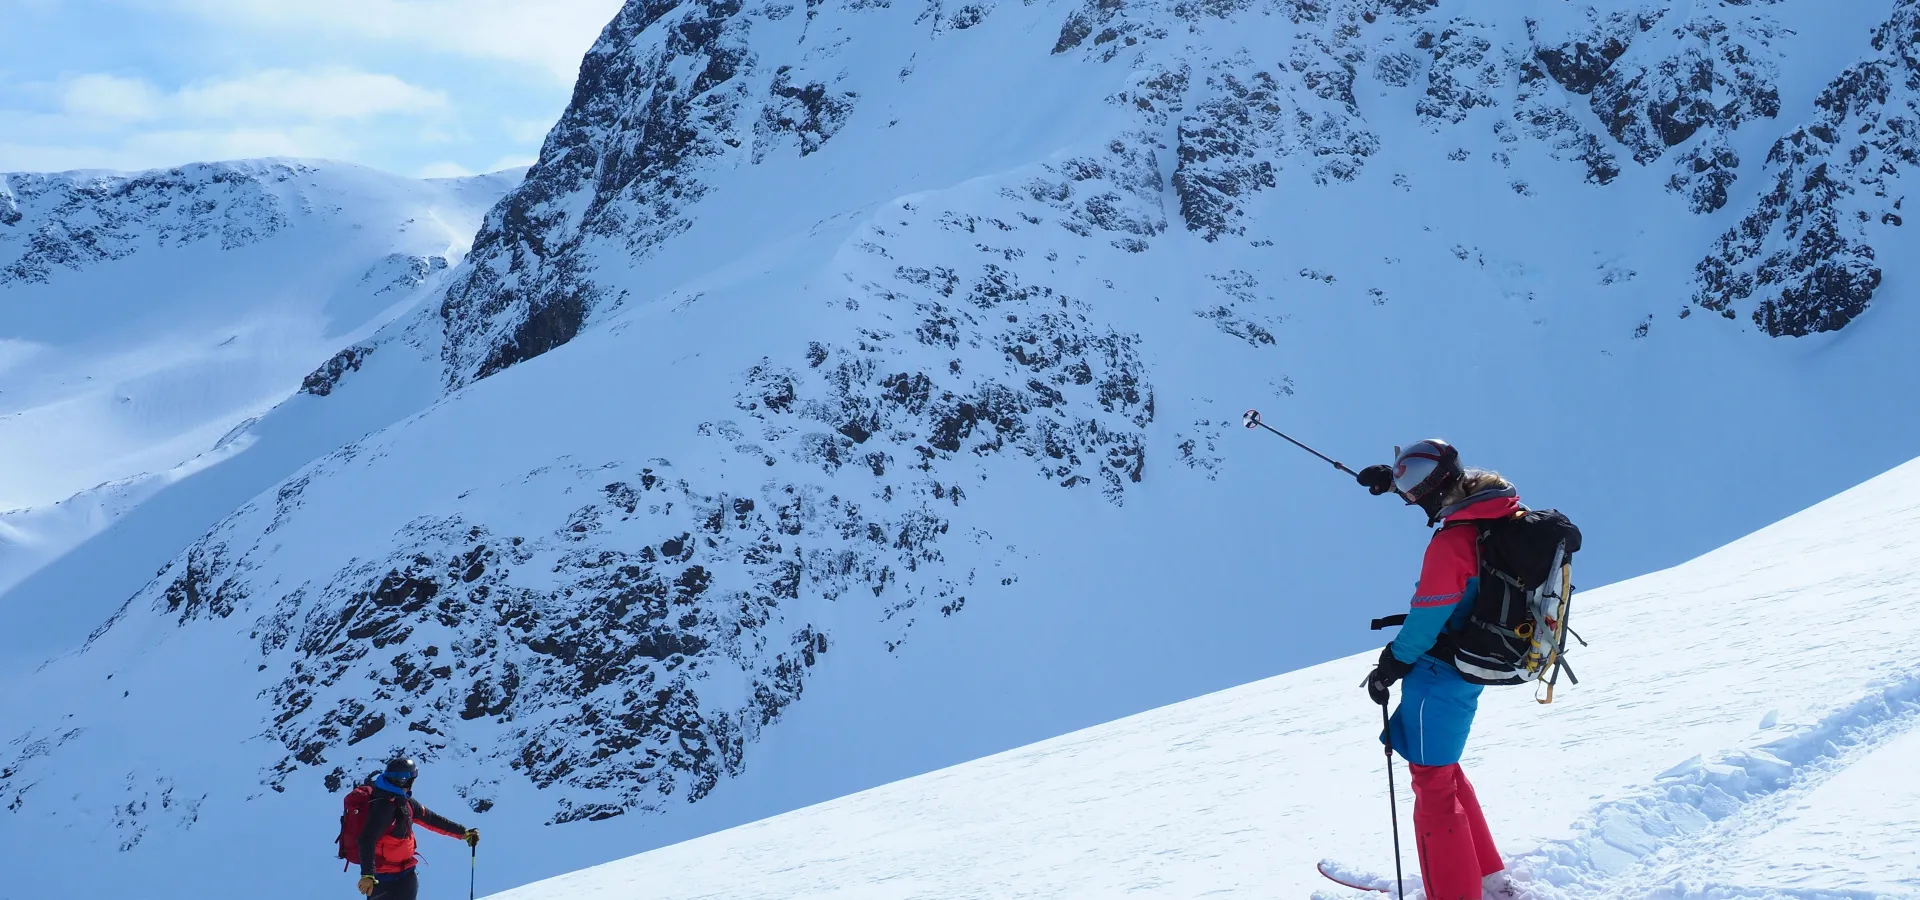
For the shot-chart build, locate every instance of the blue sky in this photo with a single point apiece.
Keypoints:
(419, 87)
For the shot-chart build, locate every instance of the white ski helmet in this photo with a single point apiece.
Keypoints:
(1425, 467)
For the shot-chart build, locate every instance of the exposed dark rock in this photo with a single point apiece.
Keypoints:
(1409, 7)
(400, 272)
(1220, 158)
(327, 377)
(810, 113)
(1056, 366)
(1073, 31)
(1663, 105)
(1195, 10)
(1703, 175)
(1579, 65)
(621, 167)
(968, 16)
(70, 221)
(203, 586)
(1395, 69)
(1112, 29)
(1721, 76)
(1461, 76)
(10, 213)
(593, 673)
(1801, 255)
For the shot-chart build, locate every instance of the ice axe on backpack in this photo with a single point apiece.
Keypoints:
(1252, 420)
(1562, 630)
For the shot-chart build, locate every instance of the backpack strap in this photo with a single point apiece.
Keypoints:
(1523, 586)
(1486, 526)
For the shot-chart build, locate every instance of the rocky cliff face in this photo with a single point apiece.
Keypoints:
(628, 650)
(670, 93)
(673, 95)
(1803, 256)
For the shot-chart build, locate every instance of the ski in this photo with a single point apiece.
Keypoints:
(1346, 876)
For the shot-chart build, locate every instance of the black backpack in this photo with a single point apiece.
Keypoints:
(1517, 631)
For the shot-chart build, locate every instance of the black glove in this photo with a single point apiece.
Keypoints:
(1389, 670)
(1376, 479)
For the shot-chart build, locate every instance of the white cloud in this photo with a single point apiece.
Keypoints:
(114, 122)
(549, 34)
(110, 97)
(327, 94)
(272, 95)
(239, 142)
(63, 147)
(477, 80)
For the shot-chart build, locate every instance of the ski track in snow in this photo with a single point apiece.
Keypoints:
(1649, 846)
(1653, 844)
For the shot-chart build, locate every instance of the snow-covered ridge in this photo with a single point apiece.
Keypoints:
(149, 317)
(73, 219)
(1706, 758)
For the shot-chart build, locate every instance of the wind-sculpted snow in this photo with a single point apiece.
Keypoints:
(73, 220)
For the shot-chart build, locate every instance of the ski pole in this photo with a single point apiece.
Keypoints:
(1252, 420)
(473, 868)
(1393, 800)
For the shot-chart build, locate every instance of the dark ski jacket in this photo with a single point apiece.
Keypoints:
(387, 846)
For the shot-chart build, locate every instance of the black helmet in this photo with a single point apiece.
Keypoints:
(401, 772)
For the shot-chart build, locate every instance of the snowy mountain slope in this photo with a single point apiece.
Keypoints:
(1733, 737)
(148, 316)
(861, 396)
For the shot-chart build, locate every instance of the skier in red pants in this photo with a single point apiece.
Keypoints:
(1458, 859)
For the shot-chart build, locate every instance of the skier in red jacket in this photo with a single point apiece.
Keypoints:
(1458, 859)
(388, 851)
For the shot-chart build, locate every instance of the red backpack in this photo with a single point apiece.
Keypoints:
(353, 820)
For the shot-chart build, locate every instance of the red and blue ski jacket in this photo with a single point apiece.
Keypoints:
(1450, 575)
